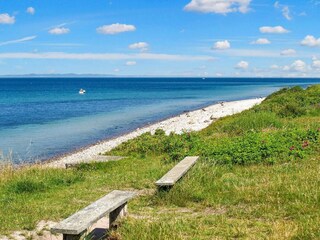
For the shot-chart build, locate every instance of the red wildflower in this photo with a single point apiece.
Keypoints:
(305, 144)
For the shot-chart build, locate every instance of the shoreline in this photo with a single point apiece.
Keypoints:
(194, 120)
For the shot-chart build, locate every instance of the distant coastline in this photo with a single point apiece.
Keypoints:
(88, 75)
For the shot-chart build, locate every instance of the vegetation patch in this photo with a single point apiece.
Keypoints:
(257, 178)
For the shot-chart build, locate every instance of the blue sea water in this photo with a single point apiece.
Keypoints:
(41, 118)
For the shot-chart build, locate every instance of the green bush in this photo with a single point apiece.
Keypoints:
(261, 147)
(292, 102)
(173, 147)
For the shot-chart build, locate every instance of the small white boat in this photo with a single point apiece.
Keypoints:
(82, 91)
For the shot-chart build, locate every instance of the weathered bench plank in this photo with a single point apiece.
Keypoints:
(177, 172)
(100, 158)
(113, 203)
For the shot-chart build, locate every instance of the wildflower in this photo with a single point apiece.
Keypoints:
(305, 144)
(292, 148)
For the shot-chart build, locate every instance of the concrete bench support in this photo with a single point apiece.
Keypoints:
(117, 213)
(177, 172)
(113, 205)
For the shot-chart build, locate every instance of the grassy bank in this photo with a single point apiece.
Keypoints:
(258, 177)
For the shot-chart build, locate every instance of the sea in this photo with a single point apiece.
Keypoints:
(43, 118)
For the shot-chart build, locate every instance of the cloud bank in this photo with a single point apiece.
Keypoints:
(103, 56)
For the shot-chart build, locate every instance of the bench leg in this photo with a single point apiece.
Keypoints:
(117, 213)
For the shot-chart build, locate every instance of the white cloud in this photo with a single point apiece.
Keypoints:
(288, 52)
(299, 66)
(218, 6)
(131, 63)
(286, 13)
(261, 41)
(316, 63)
(31, 10)
(115, 28)
(286, 68)
(25, 39)
(222, 45)
(274, 66)
(143, 46)
(242, 65)
(103, 56)
(5, 18)
(276, 29)
(284, 9)
(116, 70)
(59, 30)
(310, 41)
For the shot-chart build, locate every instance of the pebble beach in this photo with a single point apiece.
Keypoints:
(186, 122)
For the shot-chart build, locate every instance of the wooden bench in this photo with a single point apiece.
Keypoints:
(114, 204)
(177, 172)
(95, 159)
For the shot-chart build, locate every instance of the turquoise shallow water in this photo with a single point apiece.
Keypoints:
(41, 118)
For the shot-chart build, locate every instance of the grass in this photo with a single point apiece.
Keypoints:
(258, 178)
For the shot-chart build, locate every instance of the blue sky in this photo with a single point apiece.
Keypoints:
(255, 38)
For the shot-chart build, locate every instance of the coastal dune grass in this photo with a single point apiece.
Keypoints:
(257, 178)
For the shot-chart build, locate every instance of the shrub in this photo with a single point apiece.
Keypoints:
(262, 147)
(292, 102)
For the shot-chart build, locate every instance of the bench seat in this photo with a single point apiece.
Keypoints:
(177, 172)
(76, 225)
(96, 159)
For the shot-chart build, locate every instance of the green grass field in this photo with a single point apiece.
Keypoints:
(257, 178)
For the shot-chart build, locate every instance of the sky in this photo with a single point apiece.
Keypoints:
(186, 38)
